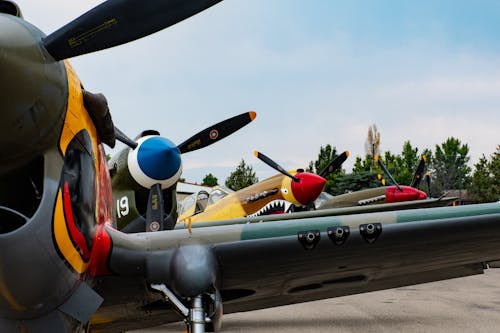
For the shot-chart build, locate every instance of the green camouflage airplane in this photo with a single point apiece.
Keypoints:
(66, 267)
(149, 170)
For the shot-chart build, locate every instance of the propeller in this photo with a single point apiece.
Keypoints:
(417, 177)
(122, 137)
(116, 22)
(155, 211)
(334, 164)
(398, 193)
(382, 165)
(274, 165)
(216, 132)
(155, 163)
(306, 186)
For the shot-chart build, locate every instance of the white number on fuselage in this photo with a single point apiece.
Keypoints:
(122, 208)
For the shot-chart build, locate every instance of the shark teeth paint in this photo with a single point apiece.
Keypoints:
(155, 160)
(273, 207)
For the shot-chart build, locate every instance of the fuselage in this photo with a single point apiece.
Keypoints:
(377, 195)
(269, 196)
(55, 190)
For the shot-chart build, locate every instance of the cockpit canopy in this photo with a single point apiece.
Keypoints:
(201, 199)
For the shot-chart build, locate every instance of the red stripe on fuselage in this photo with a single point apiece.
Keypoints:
(102, 242)
(75, 234)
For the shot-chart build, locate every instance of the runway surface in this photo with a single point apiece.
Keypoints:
(470, 304)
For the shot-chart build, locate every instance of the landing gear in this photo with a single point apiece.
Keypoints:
(195, 317)
(197, 320)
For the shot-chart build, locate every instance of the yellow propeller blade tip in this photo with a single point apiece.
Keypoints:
(256, 153)
(383, 182)
(252, 115)
(424, 158)
(347, 153)
(375, 158)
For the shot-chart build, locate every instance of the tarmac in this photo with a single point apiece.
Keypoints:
(470, 304)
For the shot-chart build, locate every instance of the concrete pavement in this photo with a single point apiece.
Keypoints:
(470, 304)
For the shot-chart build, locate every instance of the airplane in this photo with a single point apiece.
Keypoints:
(274, 195)
(64, 265)
(386, 194)
(149, 168)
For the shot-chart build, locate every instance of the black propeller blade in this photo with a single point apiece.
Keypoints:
(216, 132)
(155, 210)
(417, 177)
(382, 165)
(274, 165)
(122, 137)
(334, 165)
(428, 181)
(116, 22)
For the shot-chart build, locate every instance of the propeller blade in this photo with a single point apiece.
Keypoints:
(428, 181)
(274, 165)
(122, 137)
(216, 132)
(155, 210)
(334, 165)
(417, 177)
(382, 165)
(117, 22)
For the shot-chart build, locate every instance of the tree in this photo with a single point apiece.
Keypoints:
(210, 180)
(407, 163)
(354, 182)
(449, 165)
(372, 144)
(242, 177)
(363, 165)
(485, 183)
(325, 156)
(402, 167)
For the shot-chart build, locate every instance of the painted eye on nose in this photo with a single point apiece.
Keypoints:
(284, 191)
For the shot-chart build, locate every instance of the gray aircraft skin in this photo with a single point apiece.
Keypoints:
(66, 267)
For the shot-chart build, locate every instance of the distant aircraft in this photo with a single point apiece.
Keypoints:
(274, 195)
(384, 194)
(66, 267)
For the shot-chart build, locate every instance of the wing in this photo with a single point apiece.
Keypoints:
(384, 207)
(261, 265)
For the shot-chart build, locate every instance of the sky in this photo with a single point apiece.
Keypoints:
(317, 72)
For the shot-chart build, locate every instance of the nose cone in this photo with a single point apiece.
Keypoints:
(33, 93)
(155, 160)
(308, 188)
(422, 195)
(393, 194)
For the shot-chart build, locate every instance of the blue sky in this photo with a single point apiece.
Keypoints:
(316, 72)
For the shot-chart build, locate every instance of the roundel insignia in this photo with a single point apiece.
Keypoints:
(154, 226)
(214, 134)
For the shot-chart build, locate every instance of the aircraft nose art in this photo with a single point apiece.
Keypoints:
(308, 188)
